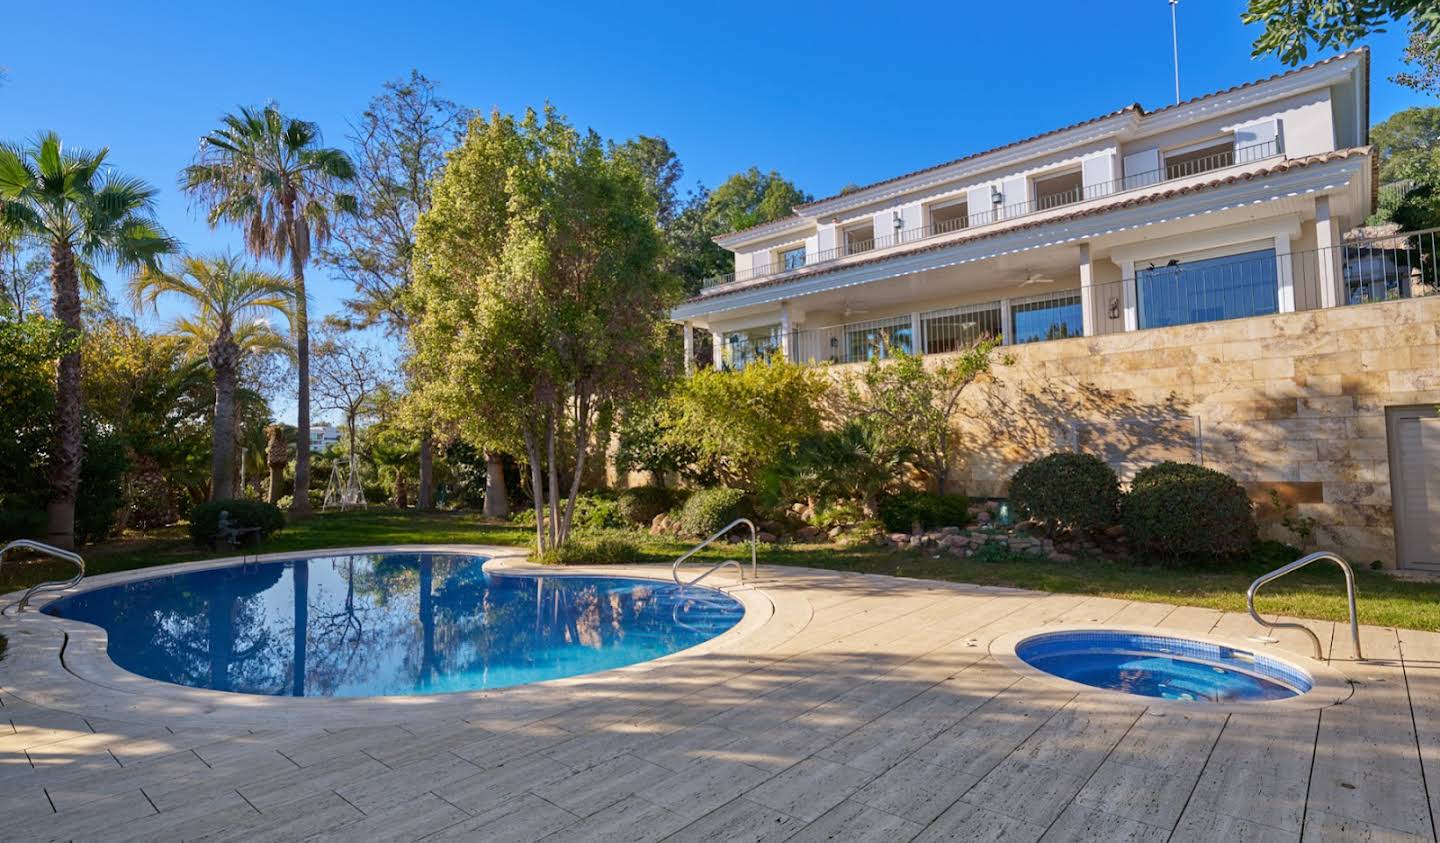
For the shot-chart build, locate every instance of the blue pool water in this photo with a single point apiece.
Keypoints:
(1162, 666)
(366, 625)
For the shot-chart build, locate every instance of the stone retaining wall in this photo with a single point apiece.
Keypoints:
(1294, 402)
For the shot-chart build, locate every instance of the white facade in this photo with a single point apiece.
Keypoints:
(1227, 205)
(323, 436)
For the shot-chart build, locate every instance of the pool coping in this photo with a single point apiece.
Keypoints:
(1329, 686)
(58, 653)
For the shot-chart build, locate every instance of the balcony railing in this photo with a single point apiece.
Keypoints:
(1004, 212)
(1400, 266)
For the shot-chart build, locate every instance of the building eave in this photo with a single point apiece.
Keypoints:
(1318, 174)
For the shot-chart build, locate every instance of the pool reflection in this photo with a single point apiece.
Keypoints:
(361, 625)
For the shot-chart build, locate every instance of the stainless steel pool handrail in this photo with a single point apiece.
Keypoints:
(52, 585)
(754, 541)
(1295, 566)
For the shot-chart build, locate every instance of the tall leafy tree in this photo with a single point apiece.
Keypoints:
(752, 198)
(542, 296)
(348, 374)
(1291, 26)
(399, 147)
(272, 175)
(85, 215)
(231, 301)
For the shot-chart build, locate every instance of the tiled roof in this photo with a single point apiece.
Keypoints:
(1127, 202)
(1136, 108)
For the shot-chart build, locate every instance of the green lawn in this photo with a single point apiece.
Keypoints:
(1317, 593)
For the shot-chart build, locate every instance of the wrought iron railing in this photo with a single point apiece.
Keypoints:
(1002, 211)
(1163, 294)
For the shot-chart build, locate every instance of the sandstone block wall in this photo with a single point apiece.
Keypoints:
(1294, 402)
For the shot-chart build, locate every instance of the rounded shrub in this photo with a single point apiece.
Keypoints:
(640, 505)
(1177, 512)
(205, 518)
(1067, 491)
(900, 512)
(708, 510)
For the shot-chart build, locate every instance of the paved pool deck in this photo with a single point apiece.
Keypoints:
(847, 707)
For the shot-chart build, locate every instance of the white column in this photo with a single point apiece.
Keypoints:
(1087, 292)
(917, 347)
(1132, 299)
(1007, 328)
(1330, 276)
(787, 349)
(1284, 274)
(689, 331)
(717, 348)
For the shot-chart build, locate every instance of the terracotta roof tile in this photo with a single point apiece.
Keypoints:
(1127, 202)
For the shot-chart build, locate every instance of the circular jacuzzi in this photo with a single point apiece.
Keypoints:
(1163, 666)
(381, 624)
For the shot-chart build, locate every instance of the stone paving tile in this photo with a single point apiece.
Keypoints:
(1201, 826)
(292, 785)
(410, 819)
(86, 788)
(325, 746)
(1026, 790)
(974, 824)
(481, 792)
(633, 820)
(739, 819)
(704, 786)
(1322, 827)
(90, 820)
(851, 821)
(526, 817)
(1080, 823)
(294, 820)
(602, 785)
(810, 788)
(915, 790)
(213, 813)
(397, 786)
(498, 749)
(1147, 796)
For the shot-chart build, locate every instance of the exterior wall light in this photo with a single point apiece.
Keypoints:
(996, 197)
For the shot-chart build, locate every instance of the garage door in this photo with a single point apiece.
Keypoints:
(1415, 480)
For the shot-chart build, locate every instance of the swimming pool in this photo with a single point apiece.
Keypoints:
(360, 625)
(1163, 666)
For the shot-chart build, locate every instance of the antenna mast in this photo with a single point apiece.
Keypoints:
(1175, 48)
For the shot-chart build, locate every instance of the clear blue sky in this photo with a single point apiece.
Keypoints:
(825, 93)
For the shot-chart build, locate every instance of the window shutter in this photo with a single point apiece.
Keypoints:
(1142, 168)
(977, 201)
(1256, 141)
(1098, 176)
(1015, 194)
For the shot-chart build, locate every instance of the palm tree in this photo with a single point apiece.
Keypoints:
(85, 215)
(230, 298)
(269, 174)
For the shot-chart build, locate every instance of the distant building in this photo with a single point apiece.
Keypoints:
(322, 436)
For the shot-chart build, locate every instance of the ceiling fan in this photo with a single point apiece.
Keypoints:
(848, 308)
(1032, 277)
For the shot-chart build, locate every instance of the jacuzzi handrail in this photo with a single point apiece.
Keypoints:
(754, 541)
(47, 550)
(1295, 566)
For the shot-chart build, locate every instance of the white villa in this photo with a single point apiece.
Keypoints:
(1178, 253)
